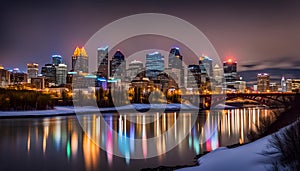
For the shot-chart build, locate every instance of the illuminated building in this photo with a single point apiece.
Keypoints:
(61, 74)
(175, 58)
(230, 70)
(4, 77)
(18, 77)
(32, 70)
(218, 74)
(194, 76)
(155, 64)
(135, 69)
(102, 61)
(175, 75)
(263, 82)
(206, 62)
(296, 85)
(38, 82)
(80, 60)
(273, 87)
(49, 72)
(283, 84)
(56, 60)
(118, 65)
(175, 62)
(289, 85)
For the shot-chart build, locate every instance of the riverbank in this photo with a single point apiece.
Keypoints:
(132, 108)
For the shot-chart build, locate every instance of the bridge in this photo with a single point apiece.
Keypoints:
(277, 99)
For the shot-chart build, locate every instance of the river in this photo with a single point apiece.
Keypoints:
(73, 142)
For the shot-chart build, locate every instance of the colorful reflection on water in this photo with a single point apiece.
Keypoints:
(60, 143)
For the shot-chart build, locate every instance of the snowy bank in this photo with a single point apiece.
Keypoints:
(259, 155)
(68, 110)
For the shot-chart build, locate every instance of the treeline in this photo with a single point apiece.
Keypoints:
(21, 100)
(119, 97)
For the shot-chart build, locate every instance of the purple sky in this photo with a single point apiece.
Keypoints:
(257, 34)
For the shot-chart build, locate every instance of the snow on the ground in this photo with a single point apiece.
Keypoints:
(63, 110)
(244, 158)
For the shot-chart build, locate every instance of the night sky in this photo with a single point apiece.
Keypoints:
(257, 34)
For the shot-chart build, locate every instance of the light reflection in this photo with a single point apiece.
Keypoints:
(28, 140)
(74, 144)
(212, 129)
(144, 138)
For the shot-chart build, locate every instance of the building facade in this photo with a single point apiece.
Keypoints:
(49, 72)
(56, 59)
(118, 65)
(32, 70)
(155, 64)
(102, 61)
(4, 77)
(61, 74)
(263, 82)
(230, 70)
(80, 60)
(206, 63)
(135, 69)
(175, 62)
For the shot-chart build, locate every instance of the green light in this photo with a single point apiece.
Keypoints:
(68, 149)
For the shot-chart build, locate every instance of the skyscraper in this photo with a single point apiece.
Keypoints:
(32, 70)
(206, 63)
(18, 77)
(230, 70)
(61, 74)
(80, 60)
(263, 82)
(218, 74)
(283, 84)
(102, 61)
(175, 63)
(118, 65)
(56, 60)
(135, 68)
(4, 77)
(175, 58)
(49, 72)
(195, 76)
(155, 64)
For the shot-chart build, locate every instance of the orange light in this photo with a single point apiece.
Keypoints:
(230, 60)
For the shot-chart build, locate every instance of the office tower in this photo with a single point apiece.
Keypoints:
(102, 61)
(175, 58)
(155, 64)
(135, 69)
(283, 84)
(289, 85)
(18, 77)
(61, 74)
(38, 82)
(4, 77)
(175, 62)
(263, 82)
(206, 63)
(118, 65)
(80, 60)
(32, 70)
(194, 76)
(49, 72)
(218, 74)
(56, 60)
(230, 70)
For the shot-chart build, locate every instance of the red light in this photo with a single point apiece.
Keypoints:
(230, 60)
